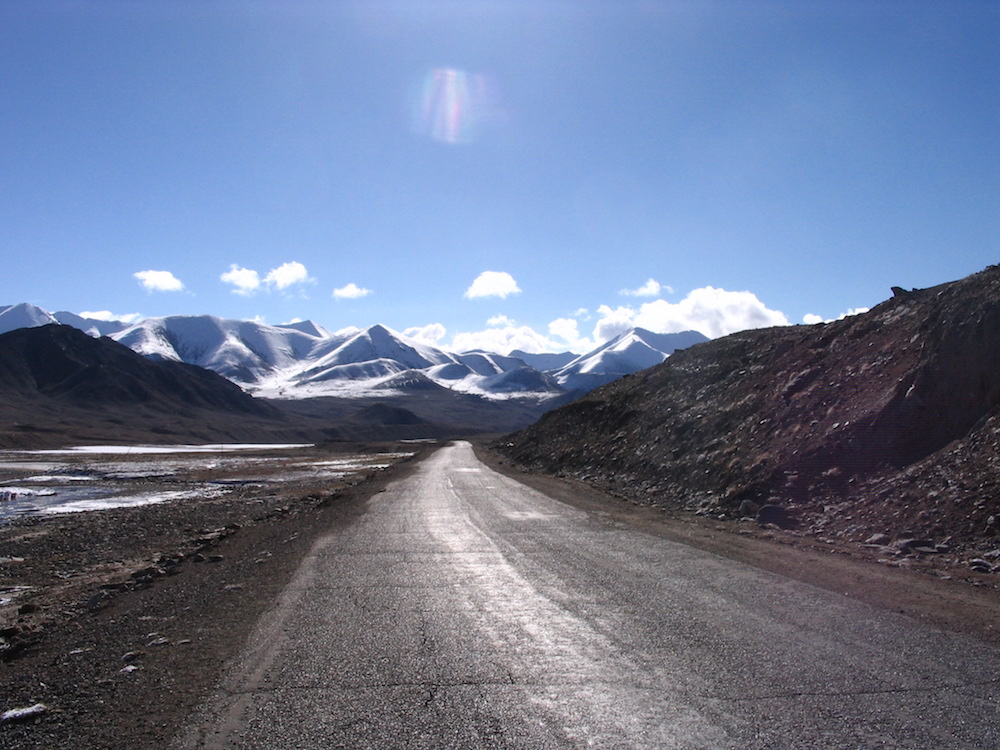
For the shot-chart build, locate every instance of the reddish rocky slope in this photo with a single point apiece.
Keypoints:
(881, 423)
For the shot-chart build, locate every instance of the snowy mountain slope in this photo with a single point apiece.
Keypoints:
(90, 326)
(243, 351)
(627, 353)
(307, 327)
(376, 343)
(23, 315)
(378, 359)
(489, 363)
(545, 362)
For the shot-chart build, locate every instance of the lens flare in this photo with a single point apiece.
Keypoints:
(452, 106)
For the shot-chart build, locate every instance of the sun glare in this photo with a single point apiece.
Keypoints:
(452, 105)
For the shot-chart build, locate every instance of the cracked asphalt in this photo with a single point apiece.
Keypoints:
(465, 610)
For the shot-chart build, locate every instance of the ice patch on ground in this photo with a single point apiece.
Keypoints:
(140, 449)
(83, 481)
(58, 478)
(126, 501)
(354, 463)
(12, 493)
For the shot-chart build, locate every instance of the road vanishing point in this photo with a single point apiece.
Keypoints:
(463, 609)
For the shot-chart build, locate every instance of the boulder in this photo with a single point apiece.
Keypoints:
(774, 514)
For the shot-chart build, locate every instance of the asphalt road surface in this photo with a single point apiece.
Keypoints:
(465, 610)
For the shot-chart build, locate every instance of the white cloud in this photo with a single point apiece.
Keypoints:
(492, 284)
(504, 340)
(612, 322)
(245, 280)
(351, 291)
(568, 330)
(287, 274)
(429, 334)
(713, 312)
(812, 318)
(159, 281)
(651, 288)
(107, 315)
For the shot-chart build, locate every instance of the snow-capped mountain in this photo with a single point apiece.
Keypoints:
(629, 352)
(380, 359)
(242, 350)
(304, 360)
(90, 326)
(23, 315)
(544, 362)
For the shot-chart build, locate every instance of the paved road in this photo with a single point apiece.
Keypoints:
(465, 610)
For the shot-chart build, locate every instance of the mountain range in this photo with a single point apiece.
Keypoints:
(304, 360)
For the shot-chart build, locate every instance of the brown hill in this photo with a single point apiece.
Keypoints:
(882, 423)
(59, 385)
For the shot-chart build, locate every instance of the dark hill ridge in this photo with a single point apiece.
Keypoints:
(63, 363)
(59, 385)
(885, 422)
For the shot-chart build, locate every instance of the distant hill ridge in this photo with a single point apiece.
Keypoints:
(57, 384)
(59, 361)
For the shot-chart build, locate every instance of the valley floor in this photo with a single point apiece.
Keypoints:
(134, 612)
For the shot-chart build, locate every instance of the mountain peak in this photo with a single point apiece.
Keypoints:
(307, 327)
(630, 351)
(24, 315)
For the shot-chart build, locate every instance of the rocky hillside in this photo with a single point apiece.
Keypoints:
(879, 424)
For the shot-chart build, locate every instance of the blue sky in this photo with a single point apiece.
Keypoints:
(711, 165)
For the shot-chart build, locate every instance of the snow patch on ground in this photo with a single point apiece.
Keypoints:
(138, 449)
(127, 501)
(84, 481)
(12, 493)
(57, 478)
